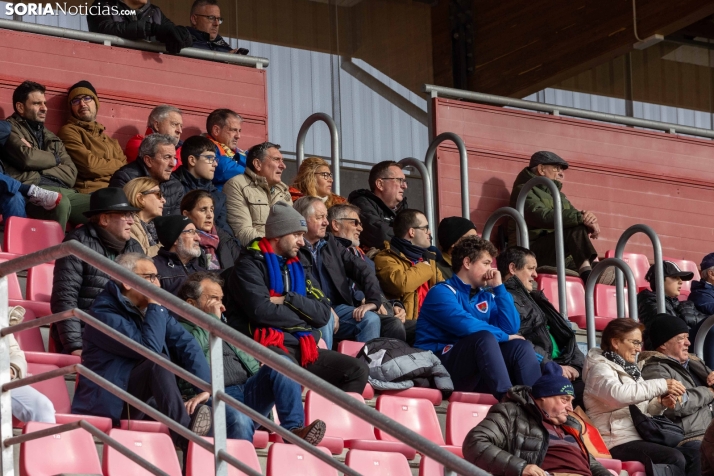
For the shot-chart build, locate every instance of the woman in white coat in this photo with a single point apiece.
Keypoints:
(613, 382)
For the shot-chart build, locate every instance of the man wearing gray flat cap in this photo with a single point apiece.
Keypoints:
(579, 227)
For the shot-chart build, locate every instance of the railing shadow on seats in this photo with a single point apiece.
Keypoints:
(218, 332)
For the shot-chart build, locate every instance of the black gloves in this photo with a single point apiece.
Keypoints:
(174, 37)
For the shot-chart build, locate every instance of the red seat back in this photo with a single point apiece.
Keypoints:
(461, 418)
(27, 235)
(31, 339)
(639, 264)
(55, 388)
(156, 448)
(146, 426)
(574, 289)
(339, 422)
(349, 347)
(200, 462)
(378, 463)
(39, 282)
(606, 301)
(415, 413)
(71, 452)
(284, 459)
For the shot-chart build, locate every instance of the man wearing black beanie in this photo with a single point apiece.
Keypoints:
(451, 230)
(179, 253)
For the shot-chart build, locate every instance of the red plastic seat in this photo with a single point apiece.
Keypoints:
(31, 339)
(101, 423)
(291, 460)
(633, 467)
(345, 430)
(39, 282)
(575, 292)
(146, 426)
(200, 462)
(472, 397)
(69, 452)
(606, 301)
(638, 263)
(156, 448)
(376, 463)
(261, 439)
(429, 467)
(60, 360)
(351, 348)
(461, 418)
(55, 388)
(15, 296)
(611, 464)
(27, 235)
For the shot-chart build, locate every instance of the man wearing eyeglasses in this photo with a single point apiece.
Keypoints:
(205, 22)
(96, 155)
(178, 257)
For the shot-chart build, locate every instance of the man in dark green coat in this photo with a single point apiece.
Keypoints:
(579, 227)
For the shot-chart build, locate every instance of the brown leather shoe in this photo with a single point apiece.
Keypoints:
(313, 433)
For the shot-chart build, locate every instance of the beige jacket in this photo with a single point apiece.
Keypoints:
(248, 202)
(609, 391)
(140, 235)
(17, 356)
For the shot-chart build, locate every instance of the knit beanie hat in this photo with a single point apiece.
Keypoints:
(82, 88)
(169, 228)
(451, 229)
(283, 220)
(552, 382)
(663, 327)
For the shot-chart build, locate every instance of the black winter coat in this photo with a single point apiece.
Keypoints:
(228, 250)
(512, 436)
(376, 218)
(171, 189)
(141, 26)
(202, 40)
(75, 285)
(174, 272)
(537, 314)
(190, 182)
(248, 305)
(343, 268)
(647, 311)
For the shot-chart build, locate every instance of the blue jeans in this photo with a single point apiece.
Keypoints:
(363, 331)
(261, 392)
(327, 331)
(12, 202)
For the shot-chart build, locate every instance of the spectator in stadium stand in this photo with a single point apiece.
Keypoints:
(35, 156)
(314, 179)
(380, 204)
(145, 22)
(334, 267)
(96, 155)
(471, 324)
(205, 21)
(251, 195)
(158, 156)
(672, 360)
(702, 291)
(144, 193)
(219, 249)
(197, 172)
(27, 403)
(531, 434)
(406, 267)
(179, 253)
(223, 128)
(613, 382)
(164, 119)
(345, 226)
(148, 323)
(260, 305)
(13, 193)
(684, 310)
(452, 230)
(707, 452)
(579, 227)
(76, 283)
(541, 324)
(259, 387)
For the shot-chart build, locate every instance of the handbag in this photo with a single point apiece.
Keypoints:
(656, 429)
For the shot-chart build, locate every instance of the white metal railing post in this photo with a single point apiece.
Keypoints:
(426, 186)
(215, 346)
(334, 145)
(6, 458)
(463, 166)
(659, 267)
(521, 227)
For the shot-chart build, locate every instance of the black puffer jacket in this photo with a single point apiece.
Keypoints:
(75, 285)
(172, 188)
(190, 182)
(173, 271)
(376, 218)
(512, 436)
(228, 250)
(203, 41)
(647, 311)
(537, 315)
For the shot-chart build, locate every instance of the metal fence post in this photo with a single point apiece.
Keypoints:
(463, 165)
(334, 144)
(702, 335)
(659, 272)
(6, 458)
(426, 184)
(522, 235)
(215, 345)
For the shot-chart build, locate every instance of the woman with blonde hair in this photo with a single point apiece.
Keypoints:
(144, 193)
(315, 179)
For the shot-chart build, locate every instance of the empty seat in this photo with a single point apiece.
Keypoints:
(27, 235)
(200, 462)
(60, 360)
(15, 296)
(39, 282)
(261, 439)
(156, 448)
(101, 423)
(606, 301)
(148, 426)
(376, 463)
(284, 459)
(55, 388)
(574, 289)
(71, 452)
(472, 397)
(638, 263)
(461, 418)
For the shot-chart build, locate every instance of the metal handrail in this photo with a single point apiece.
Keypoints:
(109, 40)
(659, 267)
(702, 335)
(436, 91)
(521, 237)
(558, 230)
(334, 145)
(463, 165)
(590, 291)
(220, 331)
(426, 186)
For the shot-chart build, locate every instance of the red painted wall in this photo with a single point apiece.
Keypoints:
(130, 83)
(624, 175)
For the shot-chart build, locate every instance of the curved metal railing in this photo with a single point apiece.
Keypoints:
(521, 226)
(334, 144)
(659, 273)
(463, 165)
(426, 185)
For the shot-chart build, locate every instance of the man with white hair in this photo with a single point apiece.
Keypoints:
(178, 257)
(163, 119)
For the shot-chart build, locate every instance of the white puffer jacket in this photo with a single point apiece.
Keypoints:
(609, 391)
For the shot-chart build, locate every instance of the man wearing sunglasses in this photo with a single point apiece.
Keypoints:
(178, 257)
(205, 21)
(96, 155)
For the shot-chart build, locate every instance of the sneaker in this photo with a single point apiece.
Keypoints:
(201, 420)
(46, 199)
(313, 433)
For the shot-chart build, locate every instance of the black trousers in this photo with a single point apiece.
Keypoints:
(392, 328)
(685, 457)
(344, 372)
(151, 383)
(577, 245)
